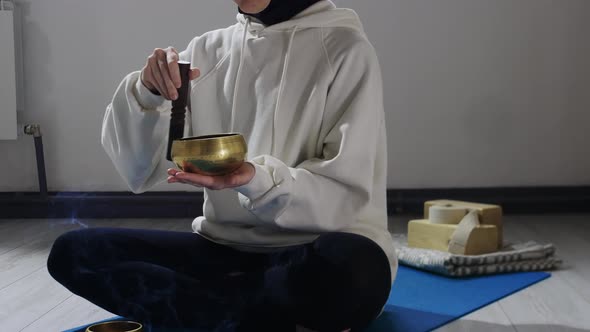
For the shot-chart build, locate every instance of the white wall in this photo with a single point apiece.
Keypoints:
(478, 92)
(7, 76)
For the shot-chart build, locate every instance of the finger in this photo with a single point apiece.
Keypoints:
(158, 82)
(173, 179)
(146, 79)
(151, 76)
(165, 70)
(176, 180)
(194, 74)
(172, 171)
(172, 59)
(197, 179)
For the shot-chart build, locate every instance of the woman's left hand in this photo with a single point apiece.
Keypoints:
(239, 177)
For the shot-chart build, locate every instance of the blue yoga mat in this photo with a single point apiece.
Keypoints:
(422, 301)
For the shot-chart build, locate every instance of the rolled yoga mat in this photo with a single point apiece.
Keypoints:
(421, 301)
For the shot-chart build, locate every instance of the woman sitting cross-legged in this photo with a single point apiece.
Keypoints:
(297, 236)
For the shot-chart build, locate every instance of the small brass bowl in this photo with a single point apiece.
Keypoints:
(210, 155)
(116, 326)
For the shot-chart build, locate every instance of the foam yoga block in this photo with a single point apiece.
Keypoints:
(488, 214)
(423, 234)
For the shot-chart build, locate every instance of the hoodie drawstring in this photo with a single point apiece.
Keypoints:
(239, 76)
(281, 87)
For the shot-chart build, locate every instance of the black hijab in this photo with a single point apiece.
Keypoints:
(281, 10)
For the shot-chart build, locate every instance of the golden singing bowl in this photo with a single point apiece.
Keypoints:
(210, 155)
(117, 326)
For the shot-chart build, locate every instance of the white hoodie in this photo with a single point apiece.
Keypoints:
(307, 96)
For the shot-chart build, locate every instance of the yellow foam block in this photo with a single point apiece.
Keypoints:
(423, 234)
(489, 214)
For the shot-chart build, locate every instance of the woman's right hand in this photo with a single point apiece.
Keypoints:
(161, 74)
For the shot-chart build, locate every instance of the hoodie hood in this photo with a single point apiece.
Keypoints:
(321, 14)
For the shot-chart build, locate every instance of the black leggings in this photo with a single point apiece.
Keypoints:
(182, 280)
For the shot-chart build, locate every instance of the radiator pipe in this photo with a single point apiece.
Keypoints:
(35, 131)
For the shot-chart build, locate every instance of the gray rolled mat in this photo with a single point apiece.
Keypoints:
(519, 257)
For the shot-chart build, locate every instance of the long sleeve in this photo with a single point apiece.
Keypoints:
(331, 192)
(135, 133)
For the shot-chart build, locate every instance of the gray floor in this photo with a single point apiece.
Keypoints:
(31, 301)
